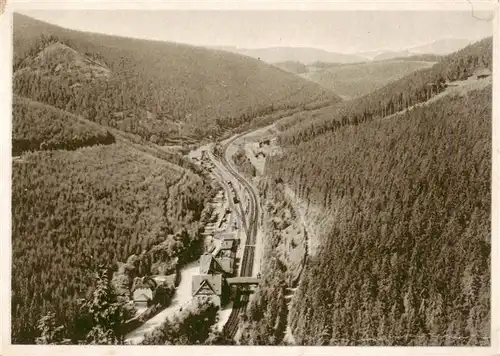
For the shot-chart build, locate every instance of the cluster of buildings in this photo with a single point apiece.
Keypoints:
(215, 269)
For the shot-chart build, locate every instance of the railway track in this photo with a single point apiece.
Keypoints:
(231, 326)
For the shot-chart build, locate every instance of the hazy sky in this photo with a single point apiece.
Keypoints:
(346, 31)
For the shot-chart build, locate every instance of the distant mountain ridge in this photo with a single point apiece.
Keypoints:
(304, 55)
(292, 67)
(354, 80)
(443, 46)
(439, 47)
(309, 55)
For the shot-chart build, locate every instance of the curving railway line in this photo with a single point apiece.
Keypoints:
(251, 227)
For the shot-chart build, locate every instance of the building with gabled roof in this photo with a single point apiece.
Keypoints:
(142, 296)
(209, 285)
(211, 265)
(225, 264)
(207, 263)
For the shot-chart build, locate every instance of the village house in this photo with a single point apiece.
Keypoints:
(142, 296)
(143, 291)
(210, 285)
(170, 280)
(209, 264)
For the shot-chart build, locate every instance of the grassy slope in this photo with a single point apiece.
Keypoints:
(359, 79)
(152, 88)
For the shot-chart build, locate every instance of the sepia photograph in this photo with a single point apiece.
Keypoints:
(251, 177)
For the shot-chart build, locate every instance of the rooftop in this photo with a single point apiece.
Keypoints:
(226, 263)
(206, 263)
(243, 280)
(142, 294)
(207, 284)
(227, 244)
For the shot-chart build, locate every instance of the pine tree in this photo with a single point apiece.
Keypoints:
(50, 333)
(107, 313)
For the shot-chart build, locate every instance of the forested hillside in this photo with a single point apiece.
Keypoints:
(38, 126)
(408, 262)
(74, 210)
(90, 185)
(164, 92)
(412, 89)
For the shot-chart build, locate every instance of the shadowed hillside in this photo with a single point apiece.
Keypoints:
(75, 210)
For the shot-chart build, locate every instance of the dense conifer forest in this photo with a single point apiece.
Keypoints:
(38, 126)
(266, 317)
(72, 210)
(403, 175)
(408, 261)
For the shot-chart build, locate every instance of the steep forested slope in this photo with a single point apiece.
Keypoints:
(38, 126)
(408, 261)
(165, 92)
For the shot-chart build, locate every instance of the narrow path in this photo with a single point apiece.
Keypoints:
(181, 297)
